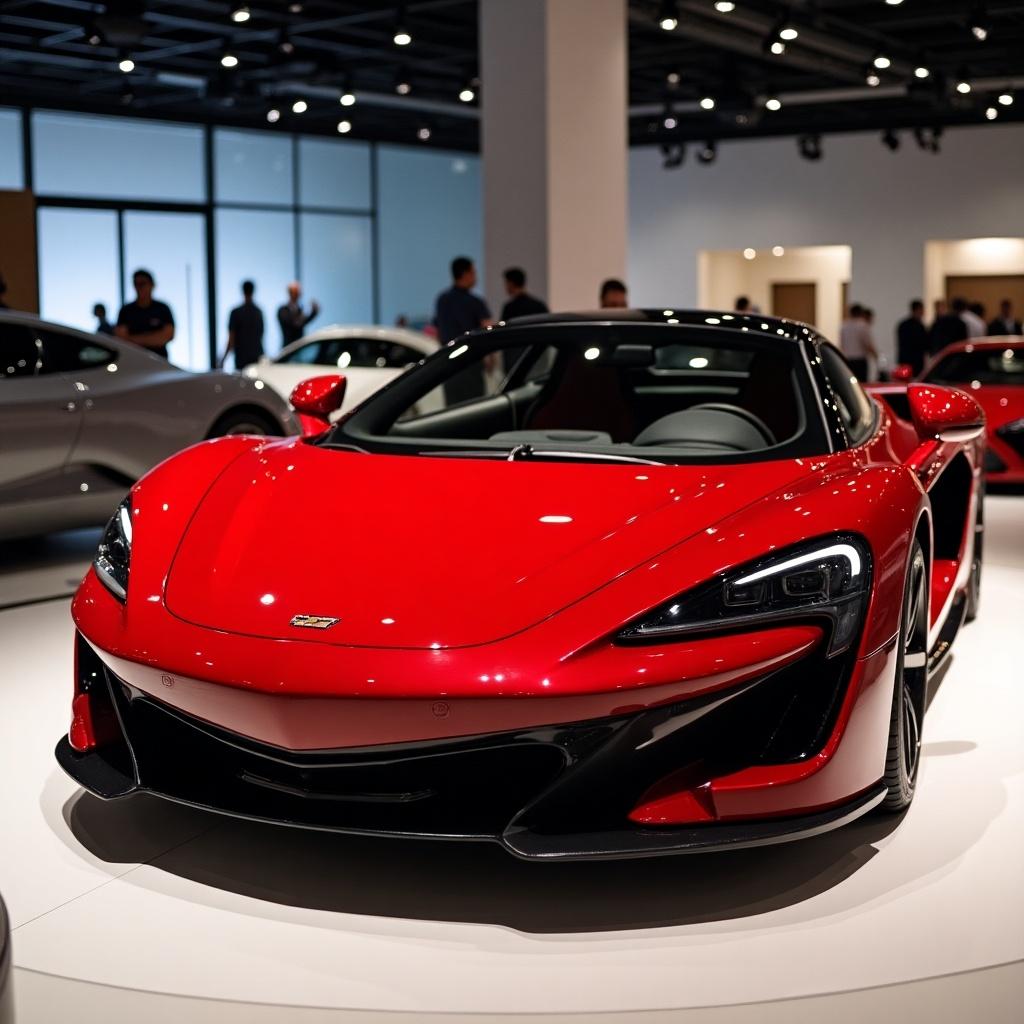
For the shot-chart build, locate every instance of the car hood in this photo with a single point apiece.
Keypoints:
(420, 552)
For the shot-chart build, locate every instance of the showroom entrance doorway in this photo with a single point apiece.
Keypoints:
(985, 270)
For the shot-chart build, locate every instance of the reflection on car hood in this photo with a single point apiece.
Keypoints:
(414, 551)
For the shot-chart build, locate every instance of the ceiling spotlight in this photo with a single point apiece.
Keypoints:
(707, 153)
(403, 86)
(882, 62)
(467, 94)
(273, 115)
(809, 147)
(673, 155)
(347, 97)
(673, 78)
(788, 33)
(894, 3)
(344, 127)
(402, 36)
(300, 107)
(229, 60)
(872, 79)
(284, 43)
(963, 87)
(980, 28)
(423, 133)
(1006, 99)
(669, 17)
(991, 113)
(890, 140)
(750, 254)
(707, 103)
(126, 64)
(725, 7)
(778, 47)
(778, 250)
(921, 71)
(669, 123)
(95, 39)
(295, 8)
(241, 14)
(773, 103)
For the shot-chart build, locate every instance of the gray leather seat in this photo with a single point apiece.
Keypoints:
(713, 427)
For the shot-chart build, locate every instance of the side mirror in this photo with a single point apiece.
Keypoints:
(945, 413)
(315, 399)
(902, 373)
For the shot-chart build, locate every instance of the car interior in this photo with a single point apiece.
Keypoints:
(681, 399)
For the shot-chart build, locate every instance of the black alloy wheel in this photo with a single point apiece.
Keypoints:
(910, 692)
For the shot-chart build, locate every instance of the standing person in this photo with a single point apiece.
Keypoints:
(856, 342)
(947, 328)
(103, 325)
(912, 338)
(1005, 323)
(741, 305)
(245, 330)
(458, 310)
(975, 324)
(146, 321)
(520, 303)
(614, 294)
(292, 317)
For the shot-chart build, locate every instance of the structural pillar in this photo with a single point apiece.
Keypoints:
(554, 136)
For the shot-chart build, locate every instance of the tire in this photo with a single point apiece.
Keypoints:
(903, 756)
(244, 421)
(974, 586)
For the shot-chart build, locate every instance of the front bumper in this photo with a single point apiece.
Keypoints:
(552, 792)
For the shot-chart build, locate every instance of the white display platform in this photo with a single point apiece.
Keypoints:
(147, 897)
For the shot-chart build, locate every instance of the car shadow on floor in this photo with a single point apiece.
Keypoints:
(469, 882)
(46, 567)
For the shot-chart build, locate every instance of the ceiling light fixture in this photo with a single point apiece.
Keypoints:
(300, 107)
(403, 85)
(992, 113)
(725, 7)
(872, 79)
(668, 19)
(1006, 99)
(126, 64)
(673, 78)
(423, 133)
(773, 103)
(777, 250)
(241, 14)
(467, 93)
(980, 26)
(777, 47)
(229, 60)
(750, 254)
(402, 36)
(284, 43)
(788, 33)
(344, 127)
(273, 115)
(347, 97)
(921, 71)
(707, 103)
(963, 87)
(882, 62)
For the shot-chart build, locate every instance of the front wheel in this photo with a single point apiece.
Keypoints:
(903, 756)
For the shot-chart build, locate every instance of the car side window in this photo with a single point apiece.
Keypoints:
(64, 353)
(21, 351)
(306, 354)
(398, 356)
(855, 409)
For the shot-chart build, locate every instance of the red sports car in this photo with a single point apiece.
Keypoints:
(992, 369)
(675, 583)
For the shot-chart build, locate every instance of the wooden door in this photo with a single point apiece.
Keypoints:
(989, 290)
(795, 301)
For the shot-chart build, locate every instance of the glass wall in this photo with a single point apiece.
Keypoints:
(369, 230)
(12, 173)
(117, 158)
(255, 245)
(78, 265)
(428, 209)
(172, 247)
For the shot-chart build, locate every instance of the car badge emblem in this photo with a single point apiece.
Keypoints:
(314, 621)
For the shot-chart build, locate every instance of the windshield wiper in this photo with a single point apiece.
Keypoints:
(527, 453)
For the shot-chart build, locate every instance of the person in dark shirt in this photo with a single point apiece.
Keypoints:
(291, 316)
(1005, 323)
(614, 294)
(520, 303)
(912, 338)
(245, 330)
(146, 322)
(948, 328)
(458, 310)
(103, 325)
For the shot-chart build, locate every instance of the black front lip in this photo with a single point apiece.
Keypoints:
(533, 792)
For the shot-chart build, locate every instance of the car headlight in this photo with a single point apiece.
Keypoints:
(826, 578)
(113, 556)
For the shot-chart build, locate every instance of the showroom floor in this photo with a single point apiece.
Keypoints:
(144, 908)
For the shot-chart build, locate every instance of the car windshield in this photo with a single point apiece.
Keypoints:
(1000, 366)
(597, 392)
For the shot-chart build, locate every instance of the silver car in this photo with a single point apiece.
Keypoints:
(82, 416)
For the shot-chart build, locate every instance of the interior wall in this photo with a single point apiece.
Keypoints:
(970, 256)
(725, 275)
(884, 205)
